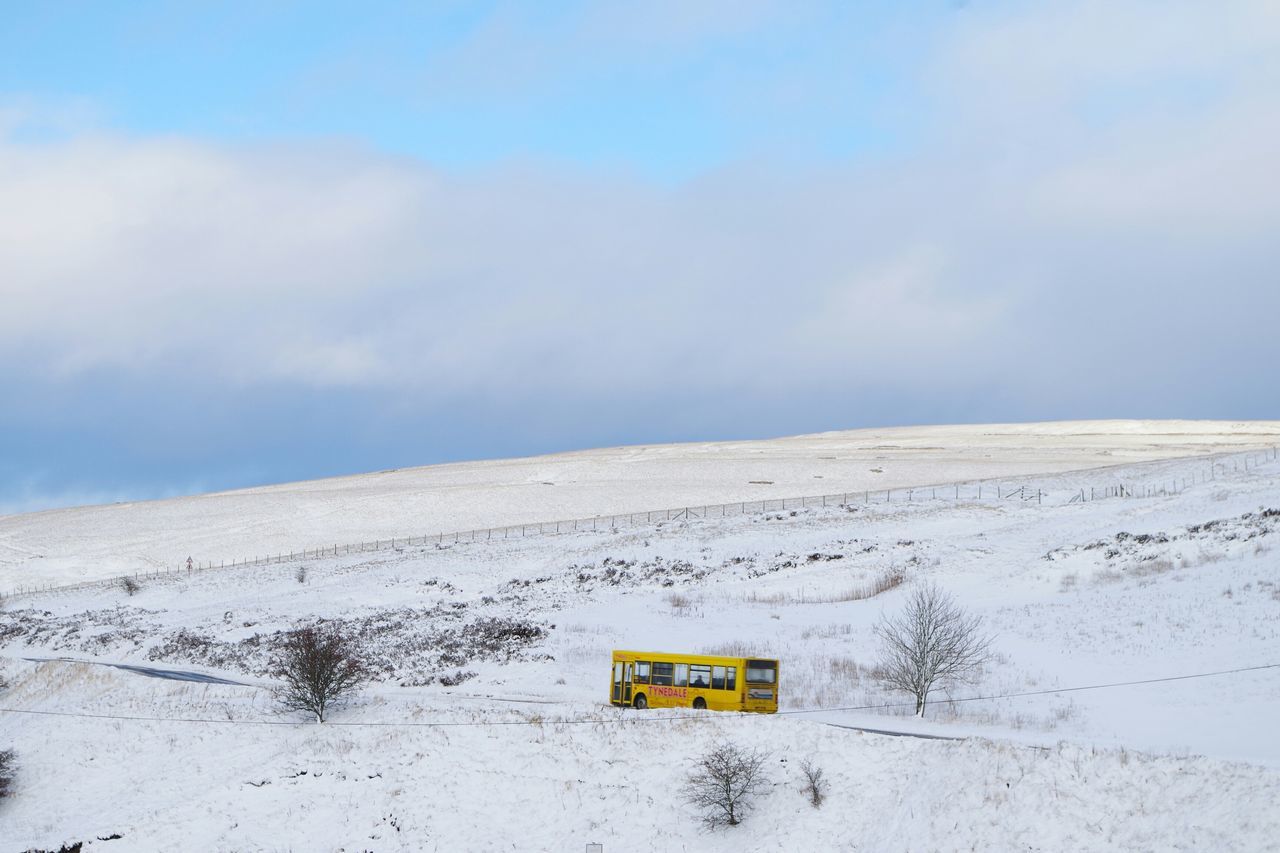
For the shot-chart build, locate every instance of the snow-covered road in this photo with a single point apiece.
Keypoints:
(150, 671)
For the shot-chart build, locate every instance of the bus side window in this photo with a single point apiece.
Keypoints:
(717, 678)
(642, 672)
(700, 676)
(682, 675)
(662, 673)
(731, 678)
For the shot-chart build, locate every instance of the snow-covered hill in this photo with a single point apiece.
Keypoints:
(83, 543)
(488, 730)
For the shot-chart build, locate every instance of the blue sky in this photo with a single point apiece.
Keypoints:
(670, 91)
(248, 243)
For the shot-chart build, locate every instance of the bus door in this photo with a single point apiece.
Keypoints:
(622, 673)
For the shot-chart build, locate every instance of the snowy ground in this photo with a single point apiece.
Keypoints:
(508, 643)
(70, 545)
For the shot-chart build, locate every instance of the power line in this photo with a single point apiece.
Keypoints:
(1042, 692)
(631, 718)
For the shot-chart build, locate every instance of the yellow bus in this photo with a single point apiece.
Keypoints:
(661, 680)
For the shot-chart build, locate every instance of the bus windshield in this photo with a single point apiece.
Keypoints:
(761, 672)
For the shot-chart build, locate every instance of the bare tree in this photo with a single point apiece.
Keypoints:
(932, 641)
(318, 668)
(815, 784)
(7, 768)
(130, 585)
(724, 781)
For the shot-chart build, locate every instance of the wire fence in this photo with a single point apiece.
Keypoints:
(1198, 470)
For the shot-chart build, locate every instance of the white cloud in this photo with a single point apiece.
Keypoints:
(1015, 247)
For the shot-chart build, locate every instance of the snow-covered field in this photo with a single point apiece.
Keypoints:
(83, 543)
(487, 728)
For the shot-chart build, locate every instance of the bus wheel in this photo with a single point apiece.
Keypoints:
(700, 704)
(641, 702)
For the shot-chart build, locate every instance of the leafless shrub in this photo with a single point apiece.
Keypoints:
(891, 579)
(815, 784)
(737, 649)
(8, 766)
(844, 669)
(932, 641)
(877, 585)
(300, 574)
(724, 781)
(318, 668)
(826, 631)
(681, 605)
(1154, 566)
(130, 585)
(771, 598)
(821, 680)
(1107, 575)
(1068, 582)
(456, 678)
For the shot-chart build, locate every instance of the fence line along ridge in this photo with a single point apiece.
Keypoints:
(966, 490)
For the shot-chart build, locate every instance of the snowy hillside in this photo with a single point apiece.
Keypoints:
(70, 545)
(487, 728)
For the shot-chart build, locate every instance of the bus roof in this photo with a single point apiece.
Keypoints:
(683, 656)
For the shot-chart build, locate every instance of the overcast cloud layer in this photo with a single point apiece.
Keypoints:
(1077, 219)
